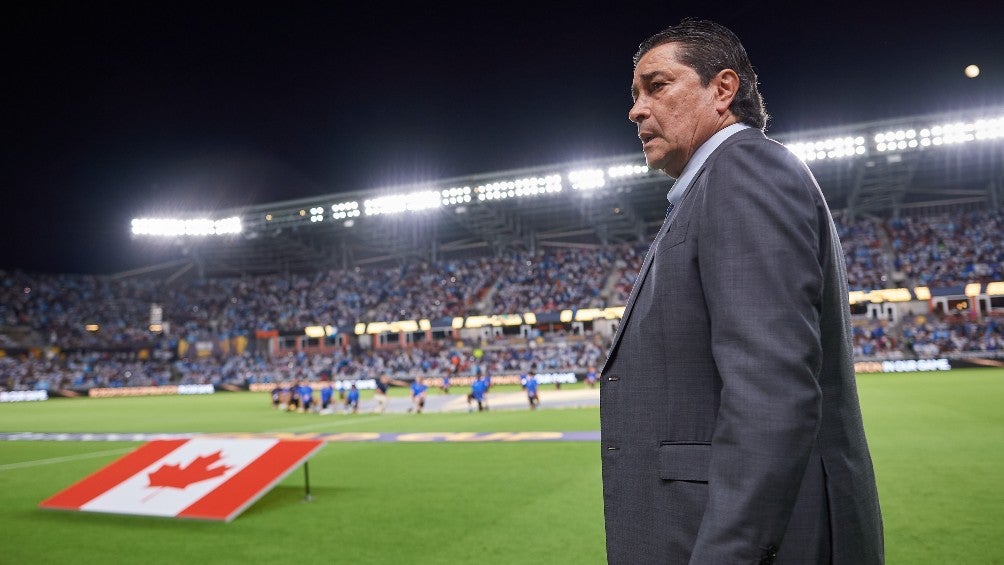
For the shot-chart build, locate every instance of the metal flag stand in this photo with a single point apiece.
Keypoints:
(306, 482)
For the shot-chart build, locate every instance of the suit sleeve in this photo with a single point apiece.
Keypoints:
(759, 259)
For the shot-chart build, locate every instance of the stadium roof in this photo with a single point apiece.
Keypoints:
(876, 168)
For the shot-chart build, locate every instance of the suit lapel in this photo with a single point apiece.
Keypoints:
(645, 268)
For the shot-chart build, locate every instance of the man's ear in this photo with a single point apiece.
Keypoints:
(726, 84)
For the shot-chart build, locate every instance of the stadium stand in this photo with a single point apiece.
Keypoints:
(917, 209)
(39, 311)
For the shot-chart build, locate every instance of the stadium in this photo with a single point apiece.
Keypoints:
(413, 280)
(470, 275)
(267, 296)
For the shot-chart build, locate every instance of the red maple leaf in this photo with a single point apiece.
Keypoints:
(198, 470)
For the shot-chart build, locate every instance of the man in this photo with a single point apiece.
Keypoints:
(352, 400)
(530, 385)
(477, 394)
(306, 397)
(731, 431)
(418, 393)
(327, 393)
(380, 394)
(276, 396)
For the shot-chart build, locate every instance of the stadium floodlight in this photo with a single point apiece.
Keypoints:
(941, 134)
(456, 195)
(398, 203)
(192, 227)
(530, 186)
(317, 214)
(621, 171)
(830, 148)
(587, 179)
(344, 210)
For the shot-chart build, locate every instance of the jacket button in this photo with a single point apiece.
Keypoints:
(613, 378)
(768, 556)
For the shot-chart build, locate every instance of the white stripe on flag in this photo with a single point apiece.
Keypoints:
(135, 495)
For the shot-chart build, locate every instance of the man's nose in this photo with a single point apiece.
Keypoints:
(638, 111)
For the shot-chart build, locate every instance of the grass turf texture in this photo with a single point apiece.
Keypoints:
(936, 440)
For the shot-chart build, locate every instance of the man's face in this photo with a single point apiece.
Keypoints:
(675, 113)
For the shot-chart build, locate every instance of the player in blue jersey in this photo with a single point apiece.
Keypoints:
(327, 392)
(352, 399)
(418, 391)
(591, 377)
(531, 389)
(478, 394)
(306, 397)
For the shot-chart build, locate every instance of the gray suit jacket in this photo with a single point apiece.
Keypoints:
(731, 431)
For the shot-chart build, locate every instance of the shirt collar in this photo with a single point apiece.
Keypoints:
(700, 156)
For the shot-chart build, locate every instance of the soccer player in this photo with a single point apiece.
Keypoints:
(327, 392)
(352, 399)
(306, 397)
(591, 377)
(294, 397)
(380, 394)
(531, 390)
(418, 391)
(478, 388)
(276, 396)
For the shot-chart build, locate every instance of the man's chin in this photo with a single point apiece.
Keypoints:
(655, 164)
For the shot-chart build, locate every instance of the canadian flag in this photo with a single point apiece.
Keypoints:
(201, 478)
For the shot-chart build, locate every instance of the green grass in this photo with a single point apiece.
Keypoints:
(937, 441)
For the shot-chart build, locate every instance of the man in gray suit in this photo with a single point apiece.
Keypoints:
(731, 431)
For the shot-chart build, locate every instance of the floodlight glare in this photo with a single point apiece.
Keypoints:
(193, 227)
(398, 203)
(972, 71)
(587, 179)
(531, 186)
(620, 171)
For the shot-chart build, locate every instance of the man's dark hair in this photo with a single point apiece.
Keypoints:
(708, 48)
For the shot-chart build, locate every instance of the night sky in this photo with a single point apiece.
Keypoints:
(117, 111)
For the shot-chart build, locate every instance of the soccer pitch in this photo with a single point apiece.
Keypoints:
(937, 440)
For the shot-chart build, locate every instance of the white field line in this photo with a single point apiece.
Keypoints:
(79, 456)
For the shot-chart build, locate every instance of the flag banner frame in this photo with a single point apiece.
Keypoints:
(201, 478)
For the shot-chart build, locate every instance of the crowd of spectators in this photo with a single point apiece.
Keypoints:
(553, 280)
(868, 266)
(61, 307)
(64, 310)
(945, 250)
(936, 251)
(926, 337)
